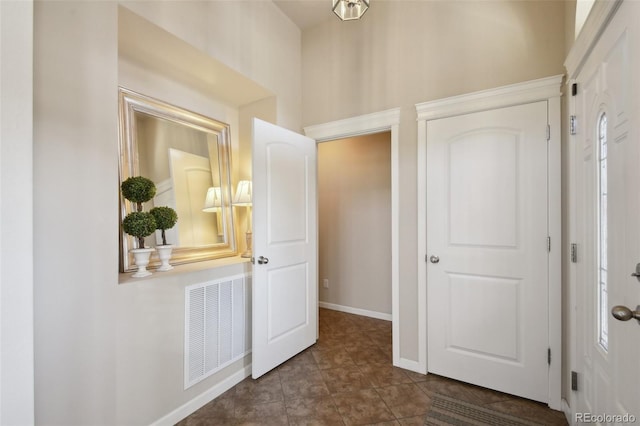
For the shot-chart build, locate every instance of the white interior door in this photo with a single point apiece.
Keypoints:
(487, 276)
(608, 222)
(285, 290)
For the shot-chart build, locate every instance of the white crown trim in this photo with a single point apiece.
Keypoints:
(360, 125)
(514, 94)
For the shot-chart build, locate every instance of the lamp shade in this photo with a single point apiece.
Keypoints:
(348, 10)
(243, 194)
(213, 201)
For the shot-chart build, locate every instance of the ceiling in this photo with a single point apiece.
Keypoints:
(306, 13)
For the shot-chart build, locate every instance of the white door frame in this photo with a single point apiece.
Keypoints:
(388, 120)
(547, 89)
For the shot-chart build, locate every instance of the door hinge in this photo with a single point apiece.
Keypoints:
(549, 244)
(574, 381)
(548, 132)
(426, 258)
(574, 89)
(549, 356)
(574, 253)
(573, 125)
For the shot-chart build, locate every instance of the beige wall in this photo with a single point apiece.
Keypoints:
(109, 353)
(252, 37)
(354, 198)
(402, 53)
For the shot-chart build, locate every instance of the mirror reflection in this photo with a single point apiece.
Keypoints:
(186, 155)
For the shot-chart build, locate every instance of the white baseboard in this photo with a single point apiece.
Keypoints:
(204, 398)
(568, 412)
(410, 365)
(356, 311)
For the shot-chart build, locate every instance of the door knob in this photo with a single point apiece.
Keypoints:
(622, 313)
(434, 259)
(263, 260)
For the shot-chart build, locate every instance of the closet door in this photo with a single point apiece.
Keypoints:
(488, 258)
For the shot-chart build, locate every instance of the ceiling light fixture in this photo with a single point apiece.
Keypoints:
(349, 10)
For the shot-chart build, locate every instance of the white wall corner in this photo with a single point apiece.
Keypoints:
(421, 186)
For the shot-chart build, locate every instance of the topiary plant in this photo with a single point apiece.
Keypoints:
(139, 190)
(138, 224)
(165, 218)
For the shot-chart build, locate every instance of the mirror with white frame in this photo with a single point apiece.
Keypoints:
(187, 156)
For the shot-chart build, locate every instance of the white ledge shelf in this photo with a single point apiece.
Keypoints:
(187, 268)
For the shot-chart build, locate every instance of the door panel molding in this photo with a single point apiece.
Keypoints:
(545, 89)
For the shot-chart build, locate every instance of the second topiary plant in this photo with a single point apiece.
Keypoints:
(165, 218)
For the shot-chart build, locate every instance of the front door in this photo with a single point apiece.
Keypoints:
(608, 223)
(285, 290)
(487, 230)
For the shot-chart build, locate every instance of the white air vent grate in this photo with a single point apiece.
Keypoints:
(216, 326)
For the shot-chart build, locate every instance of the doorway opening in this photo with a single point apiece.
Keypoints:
(383, 121)
(354, 220)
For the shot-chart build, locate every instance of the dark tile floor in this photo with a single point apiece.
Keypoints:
(346, 378)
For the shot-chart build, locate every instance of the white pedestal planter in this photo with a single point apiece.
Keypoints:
(141, 259)
(164, 254)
